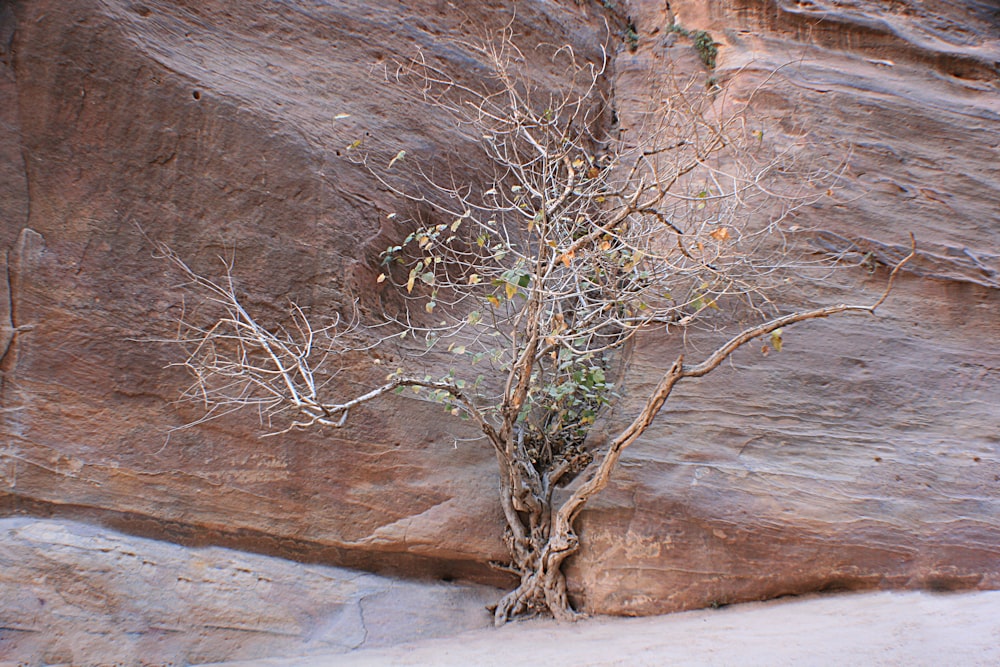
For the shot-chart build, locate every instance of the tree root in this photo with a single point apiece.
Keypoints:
(540, 592)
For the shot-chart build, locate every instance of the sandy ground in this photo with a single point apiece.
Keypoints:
(849, 629)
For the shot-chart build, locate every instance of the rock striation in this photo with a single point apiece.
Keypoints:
(865, 455)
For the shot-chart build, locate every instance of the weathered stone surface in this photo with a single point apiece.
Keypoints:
(78, 595)
(864, 455)
(214, 126)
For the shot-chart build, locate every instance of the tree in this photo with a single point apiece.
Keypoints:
(537, 272)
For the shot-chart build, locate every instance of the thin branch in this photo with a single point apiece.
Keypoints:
(678, 371)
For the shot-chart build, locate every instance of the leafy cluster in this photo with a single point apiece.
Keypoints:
(572, 243)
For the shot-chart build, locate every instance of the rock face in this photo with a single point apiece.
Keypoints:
(864, 455)
(78, 595)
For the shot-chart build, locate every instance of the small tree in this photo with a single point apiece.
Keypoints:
(537, 274)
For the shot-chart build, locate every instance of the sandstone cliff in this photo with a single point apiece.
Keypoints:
(864, 455)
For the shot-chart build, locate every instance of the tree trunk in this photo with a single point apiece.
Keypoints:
(542, 590)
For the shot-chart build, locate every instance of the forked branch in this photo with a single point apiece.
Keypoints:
(678, 371)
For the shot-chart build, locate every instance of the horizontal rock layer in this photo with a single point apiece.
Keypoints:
(78, 595)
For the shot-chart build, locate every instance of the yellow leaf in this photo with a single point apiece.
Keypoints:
(399, 156)
(381, 278)
(412, 279)
(776, 340)
(720, 234)
(429, 307)
(492, 298)
(578, 163)
(454, 225)
(474, 279)
(510, 289)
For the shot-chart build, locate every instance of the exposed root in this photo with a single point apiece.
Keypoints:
(541, 592)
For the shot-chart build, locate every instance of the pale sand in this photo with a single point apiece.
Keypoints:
(847, 629)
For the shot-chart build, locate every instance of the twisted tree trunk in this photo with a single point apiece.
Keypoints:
(542, 537)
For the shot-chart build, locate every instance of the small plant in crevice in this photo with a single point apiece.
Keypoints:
(704, 45)
(631, 36)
